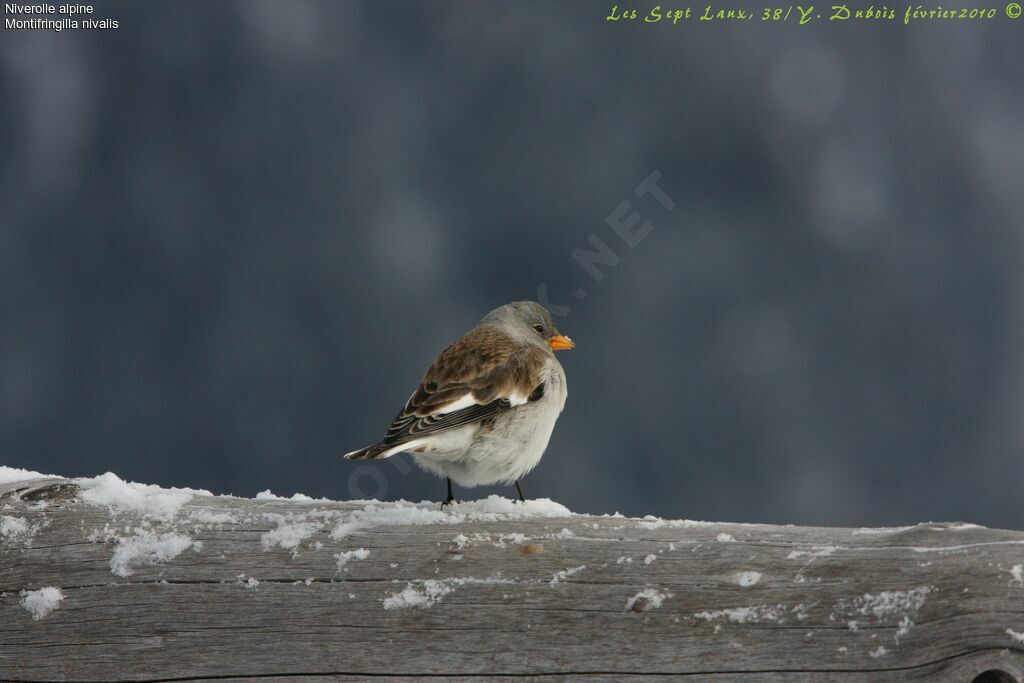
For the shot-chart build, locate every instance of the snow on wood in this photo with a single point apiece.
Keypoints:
(41, 602)
(101, 579)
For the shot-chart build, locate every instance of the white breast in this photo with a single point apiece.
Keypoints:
(509, 448)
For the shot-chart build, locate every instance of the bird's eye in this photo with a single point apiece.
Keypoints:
(539, 328)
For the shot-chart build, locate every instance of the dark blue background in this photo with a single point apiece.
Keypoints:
(234, 234)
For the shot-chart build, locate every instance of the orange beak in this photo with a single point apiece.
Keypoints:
(559, 342)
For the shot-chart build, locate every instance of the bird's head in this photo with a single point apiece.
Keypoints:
(531, 322)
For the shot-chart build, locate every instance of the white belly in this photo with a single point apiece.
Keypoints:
(477, 455)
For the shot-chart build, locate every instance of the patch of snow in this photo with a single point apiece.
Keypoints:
(430, 592)
(962, 548)
(565, 573)
(296, 497)
(345, 557)
(147, 548)
(251, 582)
(748, 579)
(15, 528)
(105, 534)
(647, 599)
(502, 541)
(1017, 572)
(904, 628)
(145, 499)
(650, 558)
(9, 475)
(802, 609)
(652, 522)
(491, 509)
(815, 552)
(209, 517)
(746, 615)
(41, 602)
(389, 514)
(1019, 637)
(878, 652)
(888, 603)
(725, 538)
(514, 538)
(288, 535)
(494, 508)
(624, 560)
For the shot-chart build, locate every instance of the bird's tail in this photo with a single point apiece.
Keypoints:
(373, 452)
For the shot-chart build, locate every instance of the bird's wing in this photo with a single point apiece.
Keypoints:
(481, 375)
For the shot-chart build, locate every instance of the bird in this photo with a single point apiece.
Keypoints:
(485, 409)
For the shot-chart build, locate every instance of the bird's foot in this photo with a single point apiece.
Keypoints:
(450, 498)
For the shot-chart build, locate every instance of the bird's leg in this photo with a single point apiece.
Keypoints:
(522, 498)
(450, 499)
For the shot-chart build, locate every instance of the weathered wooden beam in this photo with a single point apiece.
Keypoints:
(192, 587)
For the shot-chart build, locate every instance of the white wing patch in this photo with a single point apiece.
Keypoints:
(468, 401)
(518, 399)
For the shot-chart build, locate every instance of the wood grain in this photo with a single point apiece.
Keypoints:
(541, 597)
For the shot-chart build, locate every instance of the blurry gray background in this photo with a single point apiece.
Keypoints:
(234, 234)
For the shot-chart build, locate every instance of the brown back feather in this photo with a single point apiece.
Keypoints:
(485, 362)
